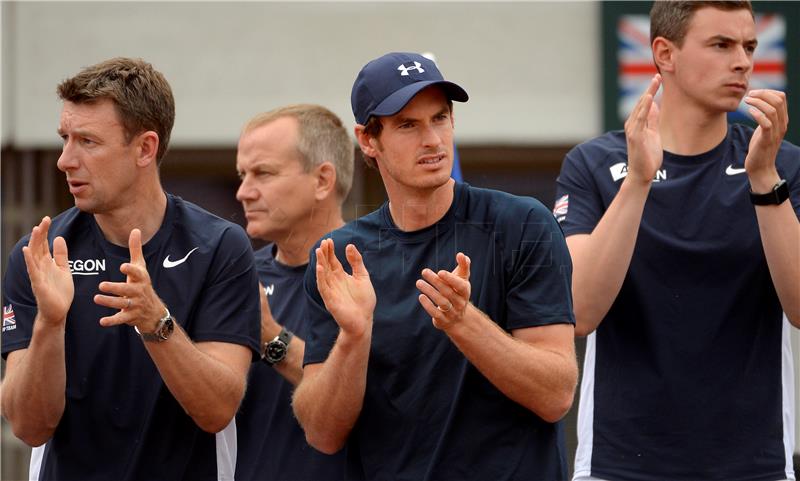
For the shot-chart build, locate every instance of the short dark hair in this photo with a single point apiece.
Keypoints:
(670, 18)
(141, 95)
(373, 129)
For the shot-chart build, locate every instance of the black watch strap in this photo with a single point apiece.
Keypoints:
(778, 194)
(285, 335)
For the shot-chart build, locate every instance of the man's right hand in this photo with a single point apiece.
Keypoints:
(349, 298)
(645, 153)
(51, 279)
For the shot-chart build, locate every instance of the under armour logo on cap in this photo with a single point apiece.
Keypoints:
(404, 70)
(379, 90)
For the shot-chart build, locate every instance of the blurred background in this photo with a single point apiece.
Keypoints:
(542, 77)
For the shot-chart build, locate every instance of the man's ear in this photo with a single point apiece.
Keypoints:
(664, 54)
(325, 176)
(367, 143)
(147, 148)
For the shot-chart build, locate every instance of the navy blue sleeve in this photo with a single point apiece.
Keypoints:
(229, 309)
(540, 288)
(579, 206)
(322, 327)
(19, 304)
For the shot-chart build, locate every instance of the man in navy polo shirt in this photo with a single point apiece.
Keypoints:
(128, 348)
(687, 255)
(460, 362)
(296, 168)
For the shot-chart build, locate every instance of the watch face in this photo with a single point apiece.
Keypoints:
(166, 329)
(276, 351)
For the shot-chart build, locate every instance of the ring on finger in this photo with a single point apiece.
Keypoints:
(128, 305)
(449, 307)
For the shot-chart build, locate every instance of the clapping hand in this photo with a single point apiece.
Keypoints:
(349, 298)
(645, 153)
(138, 303)
(770, 110)
(444, 294)
(51, 279)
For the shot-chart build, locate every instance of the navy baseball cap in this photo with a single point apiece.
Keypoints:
(385, 85)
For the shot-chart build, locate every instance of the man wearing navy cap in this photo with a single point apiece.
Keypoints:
(443, 349)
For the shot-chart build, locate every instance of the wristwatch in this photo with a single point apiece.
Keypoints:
(778, 194)
(163, 329)
(276, 349)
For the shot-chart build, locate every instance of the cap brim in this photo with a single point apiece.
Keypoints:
(395, 102)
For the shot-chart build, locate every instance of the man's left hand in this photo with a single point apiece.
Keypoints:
(445, 295)
(138, 303)
(770, 110)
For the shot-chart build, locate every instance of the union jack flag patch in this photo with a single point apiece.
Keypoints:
(561, 208)
(9, 321)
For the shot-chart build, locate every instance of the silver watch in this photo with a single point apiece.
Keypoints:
(163, 329)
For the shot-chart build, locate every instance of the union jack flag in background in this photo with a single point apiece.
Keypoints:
(636, 66)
